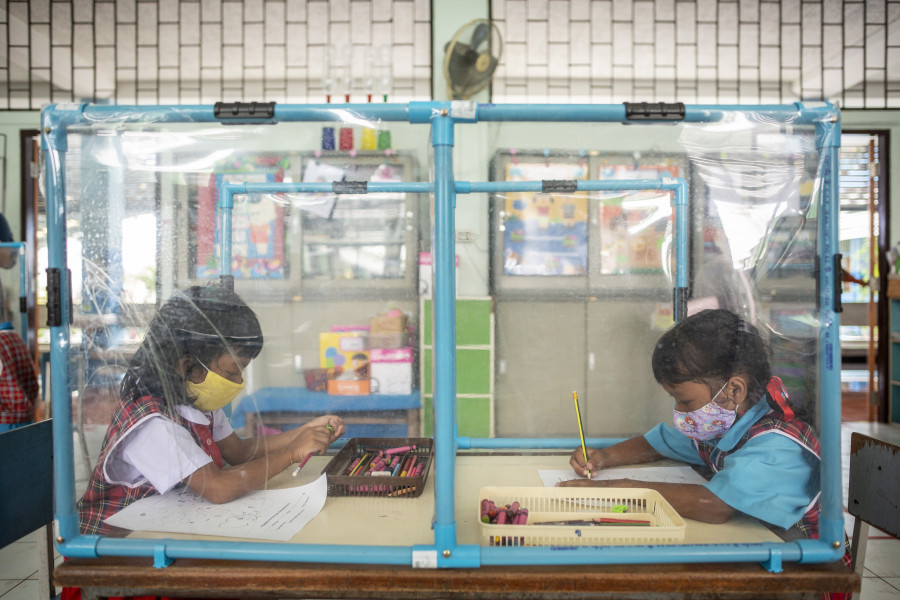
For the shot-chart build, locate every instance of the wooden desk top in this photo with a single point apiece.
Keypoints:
(406, 521)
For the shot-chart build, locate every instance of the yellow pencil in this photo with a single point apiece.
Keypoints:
(580, 430)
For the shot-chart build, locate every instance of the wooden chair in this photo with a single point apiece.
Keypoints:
(26, 494)
(874, 490)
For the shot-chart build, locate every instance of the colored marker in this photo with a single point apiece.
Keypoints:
(581, 431)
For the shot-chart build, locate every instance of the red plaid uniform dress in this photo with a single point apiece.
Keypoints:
(18, 382)
(103, 499)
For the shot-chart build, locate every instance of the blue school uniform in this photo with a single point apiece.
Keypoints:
(773, 476)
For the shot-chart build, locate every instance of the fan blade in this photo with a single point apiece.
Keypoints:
(481, 34)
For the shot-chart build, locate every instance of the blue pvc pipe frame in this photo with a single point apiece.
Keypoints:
(446, 552)
(23, 282)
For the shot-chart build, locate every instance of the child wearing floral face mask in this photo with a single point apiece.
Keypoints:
(169, 428)
(730, 416)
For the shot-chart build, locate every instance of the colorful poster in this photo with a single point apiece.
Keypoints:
(545, 233)
(257, 224)
(635, 226)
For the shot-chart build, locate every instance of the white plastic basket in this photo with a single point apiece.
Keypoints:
(570, 504)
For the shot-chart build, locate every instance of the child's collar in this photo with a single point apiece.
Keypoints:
(6, 326)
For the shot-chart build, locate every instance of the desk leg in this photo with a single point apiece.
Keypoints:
(412, 422)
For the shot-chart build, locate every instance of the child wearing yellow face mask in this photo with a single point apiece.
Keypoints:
(169, 428)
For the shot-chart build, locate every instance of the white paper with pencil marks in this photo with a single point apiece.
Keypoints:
(265, 514)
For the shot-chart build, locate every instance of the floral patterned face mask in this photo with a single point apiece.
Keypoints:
(707, 422)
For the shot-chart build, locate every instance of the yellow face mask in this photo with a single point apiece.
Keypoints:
(214, 391)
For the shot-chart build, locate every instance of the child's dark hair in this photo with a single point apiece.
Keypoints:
(710, 347)
(202, 322)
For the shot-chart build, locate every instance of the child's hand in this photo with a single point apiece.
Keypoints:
(333, 423)
(594, 462)
(310, 440)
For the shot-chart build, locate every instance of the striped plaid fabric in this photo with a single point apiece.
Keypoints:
(103, 499)
(18, 381)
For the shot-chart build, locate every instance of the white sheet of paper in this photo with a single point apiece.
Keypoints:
(678, 474)
(263, 514)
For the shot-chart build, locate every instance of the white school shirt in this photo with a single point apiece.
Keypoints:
(159, 451)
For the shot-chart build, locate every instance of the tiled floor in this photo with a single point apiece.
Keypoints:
(881, 581)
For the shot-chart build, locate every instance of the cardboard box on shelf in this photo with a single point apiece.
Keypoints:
(346, 349)
(391, 322)
(348, 387)
(390, 340)
(391, 377)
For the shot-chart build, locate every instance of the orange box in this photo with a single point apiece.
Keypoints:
(338, 387)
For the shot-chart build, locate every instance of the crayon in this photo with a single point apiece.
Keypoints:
(403, 491)
(302, 464)
(399, 449)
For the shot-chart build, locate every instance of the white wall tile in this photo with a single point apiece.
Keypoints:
(403, 63)
(537, 42)
(686, 23)
(893, 64)
(83, 11)
(190, 65)
(232, 23)
(812, 24)
(622, 10)
(382, 10)
(190, 23)
(274, 65)
(147, 24)
(126, 42)
(601, 61)
(295, 11)
(403, 22)
(62, 24)
(686, 62)
(580, 10)
(83, 45)
(360, 19)
(83, 83)
(644, 60)
(790, 45)
(125, 11)
(296, 45)
(644, 31)
(422, 45)
(623, 44)
(423, 10)
(40, 46)
(106, 67)
(707, 11)
(812, 73)
(893, 31)
(253, 11)
(105, 22)
(537, 10)
(728, 23)
(601, 21)
(875, 47)
(665, 44)
(853, 24)
(516, 59)
(854, 64)
(749, 45)
(728, 63)
(211, 45)
(875, 12)
(253, 49)
(169, 11)
(558, 59)
(769, 64)
(558, 21)
(516, 21)
(833, 11)
(168, 44)
(274, 23)
(580, 42)
(790, 11)
(769, 24)
(318, 22)
(665, 10)
(61, 73)
(210, 11)
(147, 63)
(339, 10)
(706, 44)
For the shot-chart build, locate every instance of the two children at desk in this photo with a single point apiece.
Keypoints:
(169, 427)
(731, 416)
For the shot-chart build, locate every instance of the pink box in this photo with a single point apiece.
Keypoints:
(391, 354)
